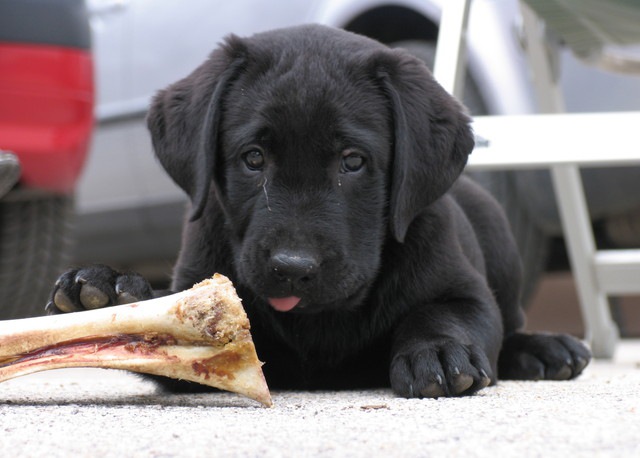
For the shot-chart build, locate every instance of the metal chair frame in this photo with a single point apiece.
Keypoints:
(555, 141)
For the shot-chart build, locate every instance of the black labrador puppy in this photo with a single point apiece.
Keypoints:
(324, 175)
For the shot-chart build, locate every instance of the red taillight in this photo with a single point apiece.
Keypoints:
(46, 111)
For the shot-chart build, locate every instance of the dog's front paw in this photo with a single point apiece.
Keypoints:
(96, 287)
(440, 368)
(542, 357)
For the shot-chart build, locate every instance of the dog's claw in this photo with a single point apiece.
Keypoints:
(485, 380)
(50, 308)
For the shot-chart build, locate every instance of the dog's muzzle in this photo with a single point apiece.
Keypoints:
(291, 273)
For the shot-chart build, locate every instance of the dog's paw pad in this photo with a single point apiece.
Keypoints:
(62, 302)
(561, 372)
(132, 287)
(92, 297)
(461, 382)
(580, 362)
(542, 357)
(433, 389)
(126, 298)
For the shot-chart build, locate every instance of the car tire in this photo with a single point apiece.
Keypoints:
(533, 243)
(34, 245)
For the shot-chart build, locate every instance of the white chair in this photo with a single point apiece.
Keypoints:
(556, 142)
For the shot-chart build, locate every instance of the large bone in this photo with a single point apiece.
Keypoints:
(201, 335)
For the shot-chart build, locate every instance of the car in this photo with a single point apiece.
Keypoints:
(46, 122)
(129, 213)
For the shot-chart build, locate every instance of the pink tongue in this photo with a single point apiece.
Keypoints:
(284, 304)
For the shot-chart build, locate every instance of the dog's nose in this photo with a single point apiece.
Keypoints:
(294, 267)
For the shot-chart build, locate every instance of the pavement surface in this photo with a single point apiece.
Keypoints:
(101, 413)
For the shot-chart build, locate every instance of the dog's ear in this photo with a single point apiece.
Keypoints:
(184, 123)
(432, 137)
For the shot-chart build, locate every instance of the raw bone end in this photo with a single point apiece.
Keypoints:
(200, 335)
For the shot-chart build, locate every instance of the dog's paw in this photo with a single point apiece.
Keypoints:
(96, 287)
(440, 368)
(542, 357)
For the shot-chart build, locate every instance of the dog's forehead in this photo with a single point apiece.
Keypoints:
(311, 39)
(309, 61)
(309, 85)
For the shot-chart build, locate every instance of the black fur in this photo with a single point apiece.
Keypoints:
(350, 199)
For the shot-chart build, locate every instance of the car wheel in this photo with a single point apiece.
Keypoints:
(34, 245)
(532, 242)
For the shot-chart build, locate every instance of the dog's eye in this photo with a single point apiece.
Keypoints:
(254, 159)
(352, 161)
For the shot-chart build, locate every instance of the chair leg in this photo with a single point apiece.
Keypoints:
(449, 66)
(601, 331)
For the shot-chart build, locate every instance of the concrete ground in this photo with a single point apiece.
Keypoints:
(99, 413)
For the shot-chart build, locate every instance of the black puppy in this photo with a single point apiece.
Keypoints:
(323, 170)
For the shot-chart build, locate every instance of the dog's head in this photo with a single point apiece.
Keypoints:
(319, 145)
